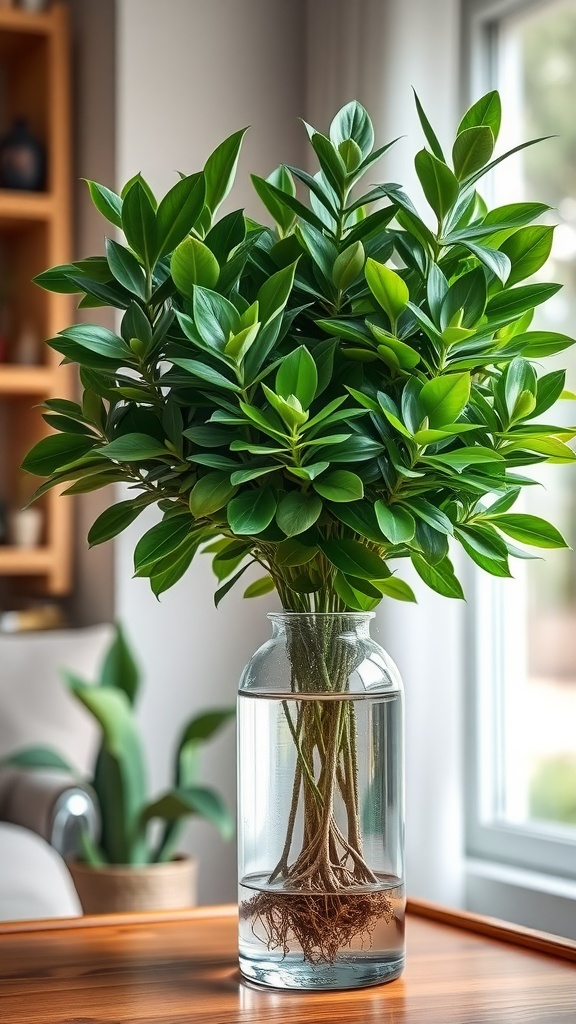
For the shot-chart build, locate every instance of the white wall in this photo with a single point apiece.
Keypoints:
(188, 75)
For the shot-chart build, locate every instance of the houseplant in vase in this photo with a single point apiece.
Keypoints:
(130, 866)
(355, 386)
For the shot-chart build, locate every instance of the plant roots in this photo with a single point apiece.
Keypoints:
(323, 924)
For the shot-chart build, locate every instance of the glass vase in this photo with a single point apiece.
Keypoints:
(321, 806)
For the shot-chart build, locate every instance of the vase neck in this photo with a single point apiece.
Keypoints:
(352, 624)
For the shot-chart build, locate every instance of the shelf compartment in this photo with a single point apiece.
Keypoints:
(25, 561)
(19, 208)
(25, 380)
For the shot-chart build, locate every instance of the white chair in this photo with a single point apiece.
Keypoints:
(40, 811)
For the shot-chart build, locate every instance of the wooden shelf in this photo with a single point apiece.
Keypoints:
(21, 23)
(34, 234)
(18, 208)
(25, 561)
(25, 380)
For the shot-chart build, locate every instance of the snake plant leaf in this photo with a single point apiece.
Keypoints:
(111, 709)
(119, 669)
(183, 802)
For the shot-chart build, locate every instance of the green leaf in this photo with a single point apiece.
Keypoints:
(220, 169)
(444, 398)
(161, 540)
(353, 122)
(113, 520)
(429, 133)
(119, 668)
(111, 709)
(259, 587)
(439, 184)
(210, 493)
(508, 304)
(298, 376)
(297, 512)
(461, 458)
(132, 448)
(439, 577)
(540, 344)
(99, 340)
(139, 224)
(251, 512)
(177, 213)
(292, 552)
(485, 111)
(431, 515)
(172, 567)
(348, 266)
(396, 523)
(37, 757)
(226, 587)
(388, 288)
(195, 800)
(106, 202)
(226, 234)
(398, 589)
(193, 263)
(340, 485)
(497, 262)
(485, 548)
(468, 294)
(207, 373)
(529, 529)
(527, 249)
(274, 293)
(353, 596)
(472, 149)
(126, 268)
(282, 206)
(355, 559)
(55, 451)
(330, 161)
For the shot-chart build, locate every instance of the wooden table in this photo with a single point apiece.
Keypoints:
(181, 969)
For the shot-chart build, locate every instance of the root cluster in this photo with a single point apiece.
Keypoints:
(323, 924)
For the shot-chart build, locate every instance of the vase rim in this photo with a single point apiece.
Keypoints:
(359, 616)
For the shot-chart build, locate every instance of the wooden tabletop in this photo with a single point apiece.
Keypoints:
(181, 969)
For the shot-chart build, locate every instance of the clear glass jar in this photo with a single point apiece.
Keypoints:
(321, 806)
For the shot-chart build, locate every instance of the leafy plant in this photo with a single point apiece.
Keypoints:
(349, 388)
(119, 779)
(354, 386)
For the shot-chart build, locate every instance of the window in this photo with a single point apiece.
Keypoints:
(522, 794)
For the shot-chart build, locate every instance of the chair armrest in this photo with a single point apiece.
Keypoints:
(50, 803)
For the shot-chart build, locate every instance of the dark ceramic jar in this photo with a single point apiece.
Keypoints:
(22, 159)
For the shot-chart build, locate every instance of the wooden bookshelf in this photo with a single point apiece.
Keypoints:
(35, 233)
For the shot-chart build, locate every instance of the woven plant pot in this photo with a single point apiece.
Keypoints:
(118, 888)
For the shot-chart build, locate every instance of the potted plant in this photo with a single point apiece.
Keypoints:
(133, 865)
(355, 386)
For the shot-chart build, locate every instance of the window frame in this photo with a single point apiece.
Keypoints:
(549, 850)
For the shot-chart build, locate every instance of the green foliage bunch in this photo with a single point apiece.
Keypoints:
(119, 780)
(356, 385)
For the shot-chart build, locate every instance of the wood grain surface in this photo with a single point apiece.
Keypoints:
(181, 969)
